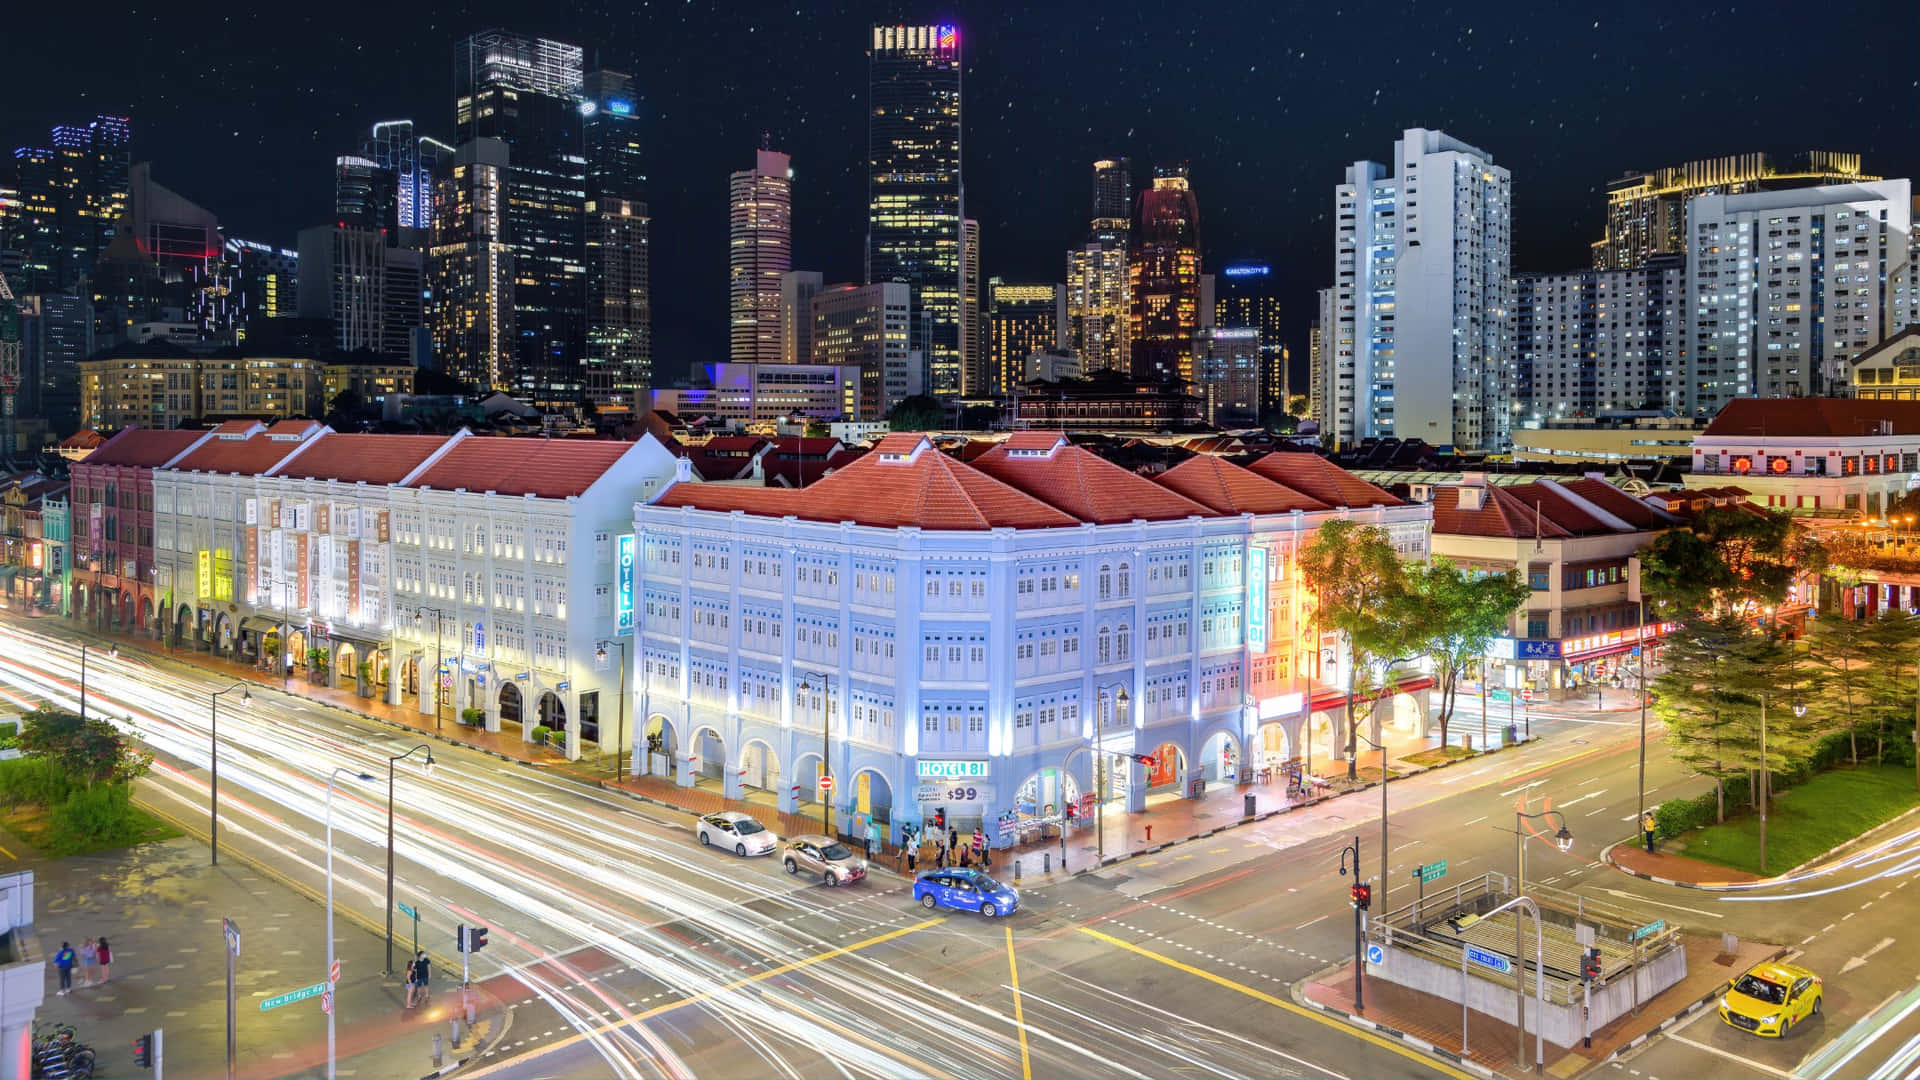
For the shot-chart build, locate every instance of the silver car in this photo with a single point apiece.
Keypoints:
(832, 860)
(733, 829)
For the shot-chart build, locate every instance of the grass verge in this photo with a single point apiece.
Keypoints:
(33, 825)
(1439, 755)
(1810, 820)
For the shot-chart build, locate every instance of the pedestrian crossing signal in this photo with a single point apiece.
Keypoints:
(143, 1051)
(1362, 896)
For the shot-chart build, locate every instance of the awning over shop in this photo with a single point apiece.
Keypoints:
(254, 624)
(372, 639)
(1329, 699)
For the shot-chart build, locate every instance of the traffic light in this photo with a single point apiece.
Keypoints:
(476, 938)
(1590, 965)
(1362, 895)
(143, 1051)
(940, 820)
(1144, 759)
(460, 938)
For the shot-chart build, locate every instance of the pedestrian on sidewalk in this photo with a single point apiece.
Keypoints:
(1647, 827)
(106, 961)
(873, 838)
(979, 844)
(413, 980)
(89, 962)
(912, 853)
(939, 851)
(63, 961)
(964, 858)
(422, 977)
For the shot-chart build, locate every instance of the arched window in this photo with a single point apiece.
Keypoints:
(1124, 645)
(1106, 581)
(1103, 649)
(1126, 580)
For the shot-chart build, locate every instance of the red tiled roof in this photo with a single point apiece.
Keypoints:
(1618, 503)
(903, 483)
(143, 448)
(543, 468)
(1315, 476)
(293, 427)
(817, 446)
(376, 459)
(1555, 504)
(1083, 484)
(1500, 515)
(1813, 418)
(236, 427)
(1227, 488)
(733, 444)
(81, 439)
(251, 456)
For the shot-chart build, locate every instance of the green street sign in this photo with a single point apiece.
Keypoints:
(1499, 696)
(1433, 871)
(1650, 929)
(407, 911)
(292, 996)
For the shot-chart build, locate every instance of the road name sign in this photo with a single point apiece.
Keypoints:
(233, 937)
(407, 911)
(292, 996)
(1432, 871)
(1489, 960)
(1650, 929)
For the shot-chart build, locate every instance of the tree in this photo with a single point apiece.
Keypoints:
(1724, 675)
(1843, 654)
(818, 429)
(346, 402)
(919, 412)
(1893, 651)
(1297, 406)
(89, 751)
(1458, 614)
(1731, 558)
(979, 417)
(1360, 587)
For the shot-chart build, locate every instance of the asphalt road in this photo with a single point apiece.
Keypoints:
(630, 951)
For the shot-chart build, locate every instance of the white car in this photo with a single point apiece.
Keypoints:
(735, 830)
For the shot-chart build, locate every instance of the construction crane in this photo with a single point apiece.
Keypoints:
(10, 352)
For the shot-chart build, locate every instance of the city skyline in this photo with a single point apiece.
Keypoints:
(1261, 155)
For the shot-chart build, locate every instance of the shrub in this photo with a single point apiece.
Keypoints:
(473, 717)
(9, 733)
(32, 780)
(542, 735)
(94, 817)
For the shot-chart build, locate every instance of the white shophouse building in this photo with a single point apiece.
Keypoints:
(976, 637)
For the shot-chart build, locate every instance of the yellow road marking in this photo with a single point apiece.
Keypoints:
(9, 854)
(1278, 1003)
(1019, 1012)
(1150, 862)
(657, 1010)
(1217, 851)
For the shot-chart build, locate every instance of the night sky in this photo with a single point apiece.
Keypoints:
(242, 110)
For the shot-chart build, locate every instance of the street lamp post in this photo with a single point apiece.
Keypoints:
(826, 744)
(439, 658)
(392, 762)
(1359, 935)
(333, 988)
(619, 746)
(213, 763)
(112, 651)
(1380, 746)
(1564, 841)
(1561, 839)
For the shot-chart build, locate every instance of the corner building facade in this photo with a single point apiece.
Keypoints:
(982, 637)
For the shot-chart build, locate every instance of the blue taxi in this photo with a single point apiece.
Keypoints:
(966, 890)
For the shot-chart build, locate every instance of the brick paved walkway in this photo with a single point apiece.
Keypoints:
(1674, 867)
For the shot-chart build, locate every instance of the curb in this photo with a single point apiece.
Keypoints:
(447, 1070)
(1606, 856)
(1677, 1018)
(1422, 1045)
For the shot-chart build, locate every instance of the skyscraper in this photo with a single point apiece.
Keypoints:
(759, 251)
(1418, 345)
(414, 161)
(865, 326)
(1243, 297)
(1646, 211)
(471, 269)
(1593, 341)
(914, 199)
(973, 327)
(363, 194)
(797, 290)
(1098, 291)
(1163, 267)
(71, 196)
(526, 92)
(1227, 375)
(618, 247)
(369, 290)
(1021, 319)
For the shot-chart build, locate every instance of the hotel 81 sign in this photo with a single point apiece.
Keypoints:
(1257, 599)
(623, 586)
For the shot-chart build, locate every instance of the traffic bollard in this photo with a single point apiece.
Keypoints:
(439, 1056)
(1046, 862)
(454, 1042)
(1247, 809)
(1016, 871)
(1149, 834)
(472, 1008)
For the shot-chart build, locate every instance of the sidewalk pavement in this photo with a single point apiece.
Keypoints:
(1671, 868)
(161, 906)
(1494, 1044)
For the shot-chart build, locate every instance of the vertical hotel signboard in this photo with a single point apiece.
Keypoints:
(1257, 599)
(623, 586)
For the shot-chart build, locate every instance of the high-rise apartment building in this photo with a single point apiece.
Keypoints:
(1646, 211)
(1316, 362)
(1244, 297)
(869, 327)
(369, 291)
(1227, 375)
(1592, 341)
(914, 200)
(1784, 287)
(759, 252)
(526, 92)
(71, 195)
(618, 247)
(1163, 265)
(471, 269)
(1417, 344)
(1098, 311)
(1021, 320)
(973, 327)
(797, 289)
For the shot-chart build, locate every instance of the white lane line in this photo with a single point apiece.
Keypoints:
(1308, 923)
(1522, 787)
(1475, 821)
(1583, 798)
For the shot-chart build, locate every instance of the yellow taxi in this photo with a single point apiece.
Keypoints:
(1771, 998)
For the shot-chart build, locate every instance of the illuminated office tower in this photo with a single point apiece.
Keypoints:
(973, 328)
(865, 327)
(914, 202)
(1647, 211)
(70, 196)
(1164, 272)
(471, 270)
(1227, 375)
(1244, 297)
(797, 289)
(618, 247)
(1419, 345)
(414, 161)
(1021, 320)
(526, 92)
(363, 194)
(759, 251)
(1098, 312)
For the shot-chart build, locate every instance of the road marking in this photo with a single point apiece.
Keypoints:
(1676, 907)
(1523, 787)
(1475, 821)
(1583, 798)
(1019, 1011)
(1278, 1003)
(1308, 923)
(1747, 1061)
